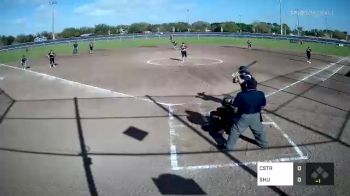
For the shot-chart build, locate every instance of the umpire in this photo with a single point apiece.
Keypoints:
(249, 104)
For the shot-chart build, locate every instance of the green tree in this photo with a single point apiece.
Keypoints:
(7, 40)
(286, 29)
(122, 27)
(167, 27)
(263, 27)
(339, 35)
(139, 27)
(275, 28)
(45, 34)
(2, 40)
(24, 38)
(230, 27)
(200, 26)
(216, 27)
(182, 26)
(300, 31)
(70, 32)
(86, 30)
(245, 27)
(154, 27)
(102, 29)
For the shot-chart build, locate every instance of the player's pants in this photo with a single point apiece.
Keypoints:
(183, 54)
(75, 50)
(253, 122)
(52, 61)
(308, 57)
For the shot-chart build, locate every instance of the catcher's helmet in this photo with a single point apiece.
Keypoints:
(227, 101)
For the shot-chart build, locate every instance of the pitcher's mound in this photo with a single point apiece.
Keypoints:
(191, 61)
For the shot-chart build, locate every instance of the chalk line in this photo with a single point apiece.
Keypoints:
(70, 82)
(306, 77)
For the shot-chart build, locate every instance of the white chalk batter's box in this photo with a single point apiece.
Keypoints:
(192, 148)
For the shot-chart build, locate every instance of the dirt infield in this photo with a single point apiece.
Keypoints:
(128, 122)
(129, 71)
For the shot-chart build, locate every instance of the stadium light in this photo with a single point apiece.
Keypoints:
(53, 3)
(298, 22)
(326, 26)
(240, 21)
(281, 17)
(188, 19)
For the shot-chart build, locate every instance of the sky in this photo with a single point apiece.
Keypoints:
(32, 16)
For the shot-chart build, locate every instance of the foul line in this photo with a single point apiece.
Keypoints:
(296, 148)
(173, 153)
(290, 85)
(70, 82)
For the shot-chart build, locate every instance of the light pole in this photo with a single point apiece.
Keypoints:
(298, 28)
(281, 17)
(188, 19)
(53, 3)
(240, 22)
(327, 32)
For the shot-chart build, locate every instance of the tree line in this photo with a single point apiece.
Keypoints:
(199, 26)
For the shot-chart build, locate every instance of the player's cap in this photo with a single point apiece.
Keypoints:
(242, 68)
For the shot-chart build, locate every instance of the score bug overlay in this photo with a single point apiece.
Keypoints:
(289, 174)
(277, 174)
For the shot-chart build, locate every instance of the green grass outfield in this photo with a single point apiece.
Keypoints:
(271, 44)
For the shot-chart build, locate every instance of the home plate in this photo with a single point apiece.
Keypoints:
(195, 150)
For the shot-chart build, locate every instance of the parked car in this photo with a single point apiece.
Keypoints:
(40, 39)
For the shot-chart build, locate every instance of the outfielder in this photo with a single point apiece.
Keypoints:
(24, 62)
(51, 56)
(183, 49)
(91, 47)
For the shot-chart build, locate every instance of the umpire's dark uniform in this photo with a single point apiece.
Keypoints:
(249, 104)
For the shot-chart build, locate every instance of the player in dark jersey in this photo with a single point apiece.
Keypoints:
(243, 78)
(24, 62)
(173, 41)
(75, 48)
(174, 44)
(183, 49)
(51, 56)
(91, 47)
(308, 54)
(249, 44)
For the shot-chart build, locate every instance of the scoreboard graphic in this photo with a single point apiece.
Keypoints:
(290, 174)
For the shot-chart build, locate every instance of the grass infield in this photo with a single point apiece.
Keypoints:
(271, 44)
